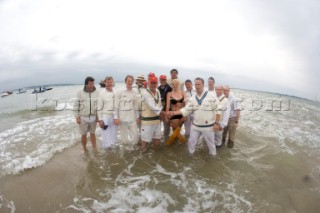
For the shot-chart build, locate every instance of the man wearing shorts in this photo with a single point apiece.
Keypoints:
(85, 109)
(150, 115)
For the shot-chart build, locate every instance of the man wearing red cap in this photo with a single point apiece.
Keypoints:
(164, 88)
(150, 115)
(151, 74)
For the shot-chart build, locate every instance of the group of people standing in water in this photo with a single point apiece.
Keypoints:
(140, 111)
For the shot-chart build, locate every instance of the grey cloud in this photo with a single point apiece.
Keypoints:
(295, 24)
(74, 71)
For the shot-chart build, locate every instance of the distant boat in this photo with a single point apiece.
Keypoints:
(20, 91)
(102, 84)
(41, 90)
(37, 91)
(6, 93)
(45, 88)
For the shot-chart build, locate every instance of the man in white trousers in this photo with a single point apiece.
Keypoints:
(204, 105)
(225, 112)
(190, 93)
(106, 113)
(126, 113)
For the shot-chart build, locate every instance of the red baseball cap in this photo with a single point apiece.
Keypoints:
(153, 79)
(163, 77)
(151, 74)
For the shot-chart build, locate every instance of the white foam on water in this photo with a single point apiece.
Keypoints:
(63, 106)
(144, 200)
(80, 209)
(6, 205)
(126, 199)
(11, 206)
(185, 191)
(32, 143)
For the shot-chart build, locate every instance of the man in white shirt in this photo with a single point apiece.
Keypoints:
(233, 118)
(106, 114)
(126, 112)
(140, 88)
(206, 117)
(139, 82)
(150, 115)
(211, 83)
(190, 93)
(225, 112)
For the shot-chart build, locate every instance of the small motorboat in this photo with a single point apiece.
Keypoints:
(45, 88)
(6, 93)
(20, 91)
(41, 90)
(37, 91)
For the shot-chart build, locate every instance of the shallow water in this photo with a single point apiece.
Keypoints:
(274, 166)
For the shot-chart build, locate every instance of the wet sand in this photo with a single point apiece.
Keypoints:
(46, 188)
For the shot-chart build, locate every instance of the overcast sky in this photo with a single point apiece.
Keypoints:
(270, 45)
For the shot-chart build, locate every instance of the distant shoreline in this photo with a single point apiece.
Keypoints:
(250, 90)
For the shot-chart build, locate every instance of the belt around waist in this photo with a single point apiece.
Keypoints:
(150, 118)
(209, 125)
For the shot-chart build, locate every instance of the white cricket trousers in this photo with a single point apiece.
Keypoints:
(208, 136)
(109, 136)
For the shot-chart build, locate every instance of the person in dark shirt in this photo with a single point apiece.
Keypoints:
(164, 88)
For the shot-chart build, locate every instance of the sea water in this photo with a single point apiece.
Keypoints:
(273, 167)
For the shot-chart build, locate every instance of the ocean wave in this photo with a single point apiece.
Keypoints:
(297, 126)
(32, 143)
